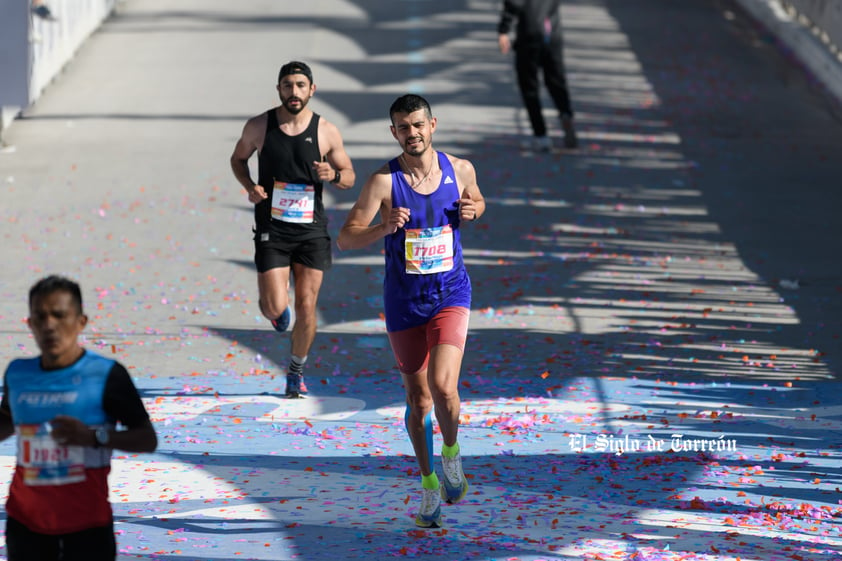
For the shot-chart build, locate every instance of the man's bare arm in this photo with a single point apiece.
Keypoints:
(375, 197)
(471, 201)
(337, 160)
(247, 145)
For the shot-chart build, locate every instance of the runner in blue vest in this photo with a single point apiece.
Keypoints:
(64, 406)
(423, 198)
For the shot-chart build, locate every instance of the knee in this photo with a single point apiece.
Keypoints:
(305, 304)
(419, 405)
(443, 392)
(272, 308)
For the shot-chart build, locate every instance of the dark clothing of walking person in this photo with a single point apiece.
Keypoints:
(538, 45)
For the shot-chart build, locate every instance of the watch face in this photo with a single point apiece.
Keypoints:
(102, 435)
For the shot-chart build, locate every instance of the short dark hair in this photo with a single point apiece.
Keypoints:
(409, 103)
(295, 67)
(56, 283)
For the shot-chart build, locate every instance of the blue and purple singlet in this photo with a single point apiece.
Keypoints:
(424, 268)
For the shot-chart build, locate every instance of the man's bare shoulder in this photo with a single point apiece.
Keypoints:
(381, 177)
(328, 129)
(461, 165)
(258, 120)
(255, 128)
(383, 170)
(326, 123)
(251, 138)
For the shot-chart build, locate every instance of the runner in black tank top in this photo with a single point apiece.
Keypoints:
(298, 152)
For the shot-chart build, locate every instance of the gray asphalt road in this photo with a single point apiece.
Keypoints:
(707, 181)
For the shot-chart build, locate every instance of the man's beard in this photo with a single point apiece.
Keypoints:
(295, 110)
(415, 149)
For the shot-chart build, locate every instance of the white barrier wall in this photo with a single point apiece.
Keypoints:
(815, 40)
(33, 50)
(823, 16)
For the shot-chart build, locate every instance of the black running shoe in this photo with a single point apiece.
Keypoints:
(295, 386)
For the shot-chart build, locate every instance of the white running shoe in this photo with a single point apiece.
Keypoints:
(429, 515)
(454, 484)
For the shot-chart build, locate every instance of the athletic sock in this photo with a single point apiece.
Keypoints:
(430, 481)
(296, 364)
(450, 451)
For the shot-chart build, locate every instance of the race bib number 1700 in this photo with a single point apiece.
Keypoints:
(429, 250)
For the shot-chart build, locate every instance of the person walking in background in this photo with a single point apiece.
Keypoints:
(64, 407)
(538, 45)
(423, 197)
(298, 151)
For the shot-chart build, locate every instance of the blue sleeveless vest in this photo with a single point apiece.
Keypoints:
(37, 395)
(413, 298)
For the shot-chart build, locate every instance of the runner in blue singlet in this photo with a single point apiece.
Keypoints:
(423, 198)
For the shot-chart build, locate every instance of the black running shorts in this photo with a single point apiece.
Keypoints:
(314, 253)
(94, 544)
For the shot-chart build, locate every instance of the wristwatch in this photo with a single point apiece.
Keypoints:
(102, 436)
(337, 178)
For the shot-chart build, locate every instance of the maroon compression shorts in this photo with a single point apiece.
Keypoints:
(412, 346)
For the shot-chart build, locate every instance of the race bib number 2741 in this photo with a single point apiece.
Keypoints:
(293, 202)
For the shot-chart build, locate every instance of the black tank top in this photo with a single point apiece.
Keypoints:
(289, 159)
